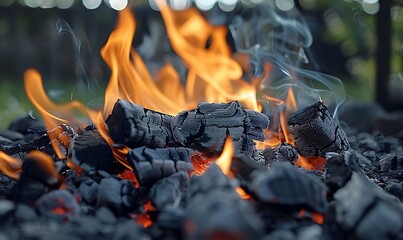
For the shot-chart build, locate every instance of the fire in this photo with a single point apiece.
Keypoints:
(224, 162)
(214, 75)
(10, 166)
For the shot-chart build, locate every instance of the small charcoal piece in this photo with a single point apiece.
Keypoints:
(117, 194)
(38, 176)
(149, 165)
(170, 191)
(367, 211)
(284, 185)
(7, 209)
(282, 153)
(214, 209)
(58, 203)
(316, 132)
(135, 126)
(206, 127)
(90, 152)
(6, 185)
(336, 172)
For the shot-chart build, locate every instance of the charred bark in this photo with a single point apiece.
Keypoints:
(150, 165)
(206, 127)
(316, 132)
(135, 126)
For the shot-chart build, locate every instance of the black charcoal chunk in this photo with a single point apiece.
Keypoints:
(38, 177)
(367, 211)
(283, 153)
(6, 210)
(150, 165)
(134, 126)
(206, 127)
(170, 191)
(288, 186)
(88, 190)
(336, 172)
(90, 151)
(24, 124)
(119, 195)
(58, 203)
(6, 185)
(316, 132)
(214, 208)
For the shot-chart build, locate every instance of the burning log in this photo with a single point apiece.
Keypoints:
(315, 131)
(135, 126)
(90, 152)
(214, 209)
(150, 165)
(362, 215)
(206, 127)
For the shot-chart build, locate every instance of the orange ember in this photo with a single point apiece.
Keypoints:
(10, 166)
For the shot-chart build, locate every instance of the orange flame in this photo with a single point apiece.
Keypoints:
(10, 166)
(224, 162)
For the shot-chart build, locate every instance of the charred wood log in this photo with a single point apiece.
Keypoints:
(361, 206)
(206, 127)
(90, 152)
(150, 165)
(135, 126)
(214, 208)
(316, 132)
(288, 186)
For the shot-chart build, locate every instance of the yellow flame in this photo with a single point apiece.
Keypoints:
(225, 159)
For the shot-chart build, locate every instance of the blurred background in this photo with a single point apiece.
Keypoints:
(358, 41)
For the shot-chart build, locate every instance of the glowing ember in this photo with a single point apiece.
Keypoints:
(10, 166)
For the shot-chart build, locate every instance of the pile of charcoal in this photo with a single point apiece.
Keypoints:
(170, 188)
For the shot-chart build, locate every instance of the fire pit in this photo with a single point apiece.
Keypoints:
(240, 145)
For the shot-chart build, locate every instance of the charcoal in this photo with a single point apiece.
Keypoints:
(214, 209)
(119, 195)
(11, 135)
(287, 186)
(316, 132)
(361, 206)
(282, 153)
(25, 124)
(128, 230)
(104, 215)
(150, 165)
(88, 190)
(90, 151)
(24, 213)
(58, 202)
(388, 163)
(170, 191)
(38, 177)
(336, 172)
(206, 127)
(171, 218)
(6, 210)
(6, 185)
(396, 189)
(281, 234)
(134, 126)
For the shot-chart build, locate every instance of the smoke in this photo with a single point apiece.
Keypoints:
(63, 27)
(281, 39)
